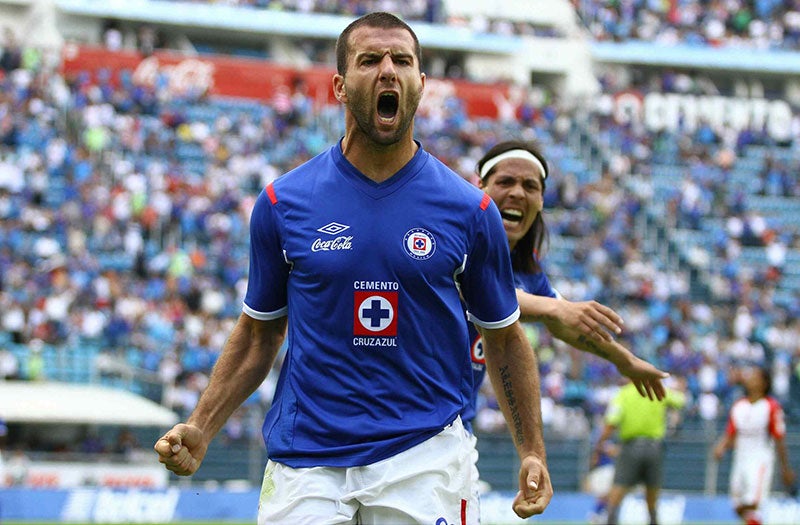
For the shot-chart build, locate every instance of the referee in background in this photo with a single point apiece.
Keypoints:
(641, 423)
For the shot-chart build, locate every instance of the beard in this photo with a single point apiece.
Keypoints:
(364, 113)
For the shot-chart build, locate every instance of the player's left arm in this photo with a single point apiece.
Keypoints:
(778, 431)
(588, 326)
(513, 370)
(588, 318)
(787, 474)
(646, 377)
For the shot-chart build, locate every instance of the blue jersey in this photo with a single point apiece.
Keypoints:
(532, 283)
(370, 276)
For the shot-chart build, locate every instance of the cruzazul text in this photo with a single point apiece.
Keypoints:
(375, 341)
(343, 242)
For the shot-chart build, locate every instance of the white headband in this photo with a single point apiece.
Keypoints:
(513, 154)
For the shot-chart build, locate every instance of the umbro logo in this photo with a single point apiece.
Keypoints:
(333, 228)
(338, 242)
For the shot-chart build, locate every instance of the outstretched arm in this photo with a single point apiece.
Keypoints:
(646, 377)
(514, 373)
(586, 326)
(589, 318)
(243, 365)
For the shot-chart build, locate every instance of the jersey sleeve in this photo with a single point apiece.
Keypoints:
(777, 422)
(266, 296)
(487, 281)
(730, 427)
(537, 284)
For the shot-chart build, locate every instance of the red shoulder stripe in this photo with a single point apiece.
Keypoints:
(271, 193)
(485, 201)
(777, 424)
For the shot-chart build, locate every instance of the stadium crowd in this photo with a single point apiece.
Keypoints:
(424, 10)
(430, 11)
(124, 213)
(756, 24)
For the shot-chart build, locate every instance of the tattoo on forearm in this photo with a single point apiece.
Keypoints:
(592, 346)
(516, 418)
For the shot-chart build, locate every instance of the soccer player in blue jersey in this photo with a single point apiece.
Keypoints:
(513, 174)
(361, 256)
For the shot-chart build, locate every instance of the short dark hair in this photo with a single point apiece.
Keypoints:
(526, 254)
(379, 19)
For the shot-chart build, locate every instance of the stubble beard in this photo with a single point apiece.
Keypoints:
(364, 114)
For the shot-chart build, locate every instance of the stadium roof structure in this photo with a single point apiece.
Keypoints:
(687, 56)
(260, 22)
(70, 403)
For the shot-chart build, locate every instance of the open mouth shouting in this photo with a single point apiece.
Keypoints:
(388, 104)
(511, 216)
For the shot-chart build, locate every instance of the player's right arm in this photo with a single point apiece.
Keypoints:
(243, 365)
(725, 441)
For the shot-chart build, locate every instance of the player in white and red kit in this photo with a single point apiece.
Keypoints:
(755, 431)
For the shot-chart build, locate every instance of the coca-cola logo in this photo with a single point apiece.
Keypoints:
(187, 76)
(339, 243)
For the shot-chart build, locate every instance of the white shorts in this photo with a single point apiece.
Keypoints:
(751, 480)
(474, 504)
(429, 483)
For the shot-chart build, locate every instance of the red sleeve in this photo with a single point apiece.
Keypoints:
(730, 428)
(777, 424)
(270, 189)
